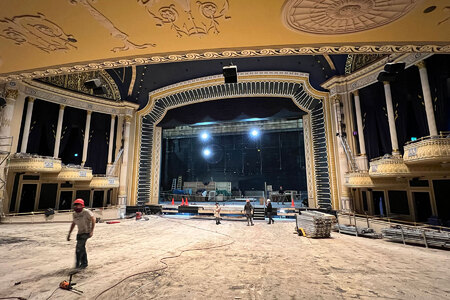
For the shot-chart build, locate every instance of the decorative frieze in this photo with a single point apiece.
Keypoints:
(388, 166)
(104, 182)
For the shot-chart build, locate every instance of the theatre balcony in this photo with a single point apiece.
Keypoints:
(72, 173)
(430, 149)
(22, 162)
(364, 180)
(104, 182)
(388, 166)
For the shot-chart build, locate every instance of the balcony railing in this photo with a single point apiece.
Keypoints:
(24, 162)
(388, 166)
(429, 149)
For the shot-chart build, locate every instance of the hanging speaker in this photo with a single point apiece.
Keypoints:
(230, 74)
(384, 76)
(99, 90)
(92, 84)
(394, 68)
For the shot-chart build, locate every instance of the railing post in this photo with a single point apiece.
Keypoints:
(424, 238)
(403, 235)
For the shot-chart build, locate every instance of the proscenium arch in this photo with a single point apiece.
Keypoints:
(293, 85)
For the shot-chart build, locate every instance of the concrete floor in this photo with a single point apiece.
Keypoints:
(254, 262)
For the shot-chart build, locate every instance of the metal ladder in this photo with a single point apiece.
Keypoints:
(112, 170)
(180, 182)
(348, 153)
(174, 184)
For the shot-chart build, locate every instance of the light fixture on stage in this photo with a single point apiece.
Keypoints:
(99, 90)
(204, 136)
(206, 152)
(230, 74)
(254, 133)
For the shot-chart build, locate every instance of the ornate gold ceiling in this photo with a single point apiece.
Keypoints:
(50, 37)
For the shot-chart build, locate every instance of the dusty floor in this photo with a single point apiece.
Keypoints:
(259, 262)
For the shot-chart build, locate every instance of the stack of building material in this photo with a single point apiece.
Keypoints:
(360, 231)
(315, 224)
(427, 237)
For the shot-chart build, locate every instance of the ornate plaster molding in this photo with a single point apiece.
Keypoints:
(368, 75)
(341, 17)
(214, 54)
(35, 164)
(61, 96)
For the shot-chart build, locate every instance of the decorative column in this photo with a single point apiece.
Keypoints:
(362, 144)
(58, 131)
(87, 128)
(111, 141)
(343, 164)
(427, 98)
(6, 113)
(123, 168)
(26, 129)
(119, 133)
(391, 118)
(6, 116)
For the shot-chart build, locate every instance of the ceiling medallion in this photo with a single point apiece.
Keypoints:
(342, 16)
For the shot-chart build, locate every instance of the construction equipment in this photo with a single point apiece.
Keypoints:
(314, 224)
(68, 285)
(348, 153)
(427, 237)
(174, 184)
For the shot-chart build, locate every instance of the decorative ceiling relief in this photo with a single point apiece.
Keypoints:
(113, 30)
(343, 16)
(36, 31)
(75, 82)
(188, 17)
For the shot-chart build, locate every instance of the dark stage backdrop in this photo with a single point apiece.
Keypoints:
(277, 158)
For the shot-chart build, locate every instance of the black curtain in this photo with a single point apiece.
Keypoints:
(97, 156)
(409, 106)
(72, 135)
(44, 119)
(375, 121)
(438, 68)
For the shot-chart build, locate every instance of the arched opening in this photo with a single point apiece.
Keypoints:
(290, 85)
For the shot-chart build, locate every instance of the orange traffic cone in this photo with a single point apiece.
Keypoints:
(182, 201)
(187, 203)
(292, 202)
(173, 201)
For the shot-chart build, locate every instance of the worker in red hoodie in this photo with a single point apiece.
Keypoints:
(85, 221)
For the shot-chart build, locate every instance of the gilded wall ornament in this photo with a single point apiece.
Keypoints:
(37, 31)
(342, 16)
(188, 17)
(113, 30)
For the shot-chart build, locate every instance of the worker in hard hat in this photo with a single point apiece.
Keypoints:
(85, 221)
(248, 209)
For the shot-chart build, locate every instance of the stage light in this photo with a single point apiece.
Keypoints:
(413, 139)
(254, 133)
(76, 155)
(204, 136)
(206, 152)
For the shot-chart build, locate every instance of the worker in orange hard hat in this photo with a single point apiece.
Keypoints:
(85, 221)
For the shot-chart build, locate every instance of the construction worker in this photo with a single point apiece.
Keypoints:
(248, 208)
(85, 221)
(269, 211)
(217, 213)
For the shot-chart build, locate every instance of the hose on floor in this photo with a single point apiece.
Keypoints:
(162, 260)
